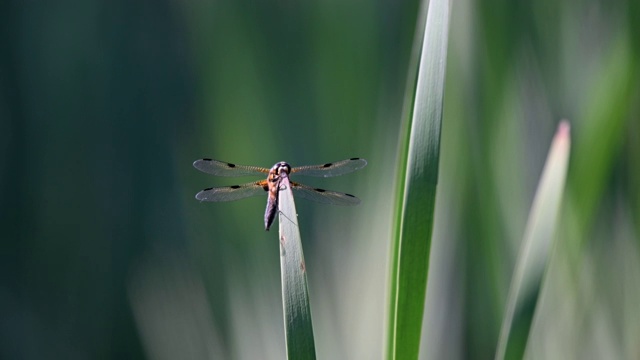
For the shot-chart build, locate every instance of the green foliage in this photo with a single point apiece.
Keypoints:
(104, 105)
(295, 296)
(536, 249)
(417, 180)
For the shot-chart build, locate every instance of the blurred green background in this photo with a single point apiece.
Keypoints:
(104, 105)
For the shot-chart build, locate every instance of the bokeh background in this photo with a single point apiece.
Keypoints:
(104, 105)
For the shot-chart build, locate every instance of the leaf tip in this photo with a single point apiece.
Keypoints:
(564, 129)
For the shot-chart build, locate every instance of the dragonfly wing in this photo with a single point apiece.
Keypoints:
(221, 168)
(230, 193)
(324, 196)
(331, 169)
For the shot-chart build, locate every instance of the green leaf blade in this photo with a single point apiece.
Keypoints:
(295, 295)
(535, 251)
(418, 174)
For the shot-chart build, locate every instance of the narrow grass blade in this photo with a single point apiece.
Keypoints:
(295, 295)
(417, 179)
(532, 260)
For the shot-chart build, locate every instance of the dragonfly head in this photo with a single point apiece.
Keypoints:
(281, 167)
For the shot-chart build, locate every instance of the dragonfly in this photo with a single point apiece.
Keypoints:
(276, 175)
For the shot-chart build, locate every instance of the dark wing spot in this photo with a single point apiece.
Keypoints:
(327, 165)
(350, 195)
(206, 159)
(207, 189)
(354, 159)
(235, 186)
(231, 165)
(320, 190)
